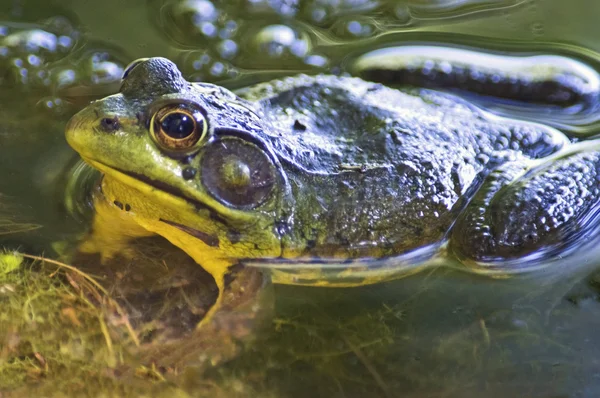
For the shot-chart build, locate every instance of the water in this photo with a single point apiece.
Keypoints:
(441, 333)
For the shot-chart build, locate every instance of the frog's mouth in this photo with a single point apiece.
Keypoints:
(161, 186)
(134, 179)
(166, 193)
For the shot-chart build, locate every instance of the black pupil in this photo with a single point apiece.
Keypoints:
(177, 125)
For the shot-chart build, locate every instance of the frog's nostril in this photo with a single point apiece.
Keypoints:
(109, 124)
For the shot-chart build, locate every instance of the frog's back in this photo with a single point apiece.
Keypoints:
(344, 120)
(378, 171)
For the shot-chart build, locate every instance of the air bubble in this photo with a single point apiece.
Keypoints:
(280, 40)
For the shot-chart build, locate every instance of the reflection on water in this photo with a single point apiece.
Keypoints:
(438, 333)
(531, 80)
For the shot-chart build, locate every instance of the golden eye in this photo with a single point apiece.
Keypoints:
(178, 127)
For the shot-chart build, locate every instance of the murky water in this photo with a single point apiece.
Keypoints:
(441, 333)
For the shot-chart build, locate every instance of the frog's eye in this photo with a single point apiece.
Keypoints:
(237, 173)
(178, 127)
(132, 66)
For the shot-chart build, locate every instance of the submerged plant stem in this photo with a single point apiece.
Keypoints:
(370, 367)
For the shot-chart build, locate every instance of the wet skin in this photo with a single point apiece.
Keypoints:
(326, 167)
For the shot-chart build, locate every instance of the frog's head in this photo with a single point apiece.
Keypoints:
(190, 155)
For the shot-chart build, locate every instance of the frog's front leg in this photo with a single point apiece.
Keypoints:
(532, 211)
(205, 251)
(116, 224)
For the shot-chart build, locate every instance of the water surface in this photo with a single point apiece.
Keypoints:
(441, 333)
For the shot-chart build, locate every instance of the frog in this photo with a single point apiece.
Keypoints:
(328, 180)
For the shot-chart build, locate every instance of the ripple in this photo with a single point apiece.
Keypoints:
(53, 61)
(200, 66)
(292, 35)
(278, 41)
(324, 13)
(554, 89)
(193, 22)
(26, 52)
(356, 27)
(454, 8)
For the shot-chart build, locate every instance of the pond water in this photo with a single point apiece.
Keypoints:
(439, 333)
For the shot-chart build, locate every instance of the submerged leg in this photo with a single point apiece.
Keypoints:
(208, 257)
(526, 214)
(124, 212)
(218, 305)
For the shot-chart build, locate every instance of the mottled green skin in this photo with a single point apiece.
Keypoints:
(377, 168)
(363, 170)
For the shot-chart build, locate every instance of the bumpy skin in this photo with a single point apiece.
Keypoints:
(376, 171)
(361, 170)
(544, 209)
